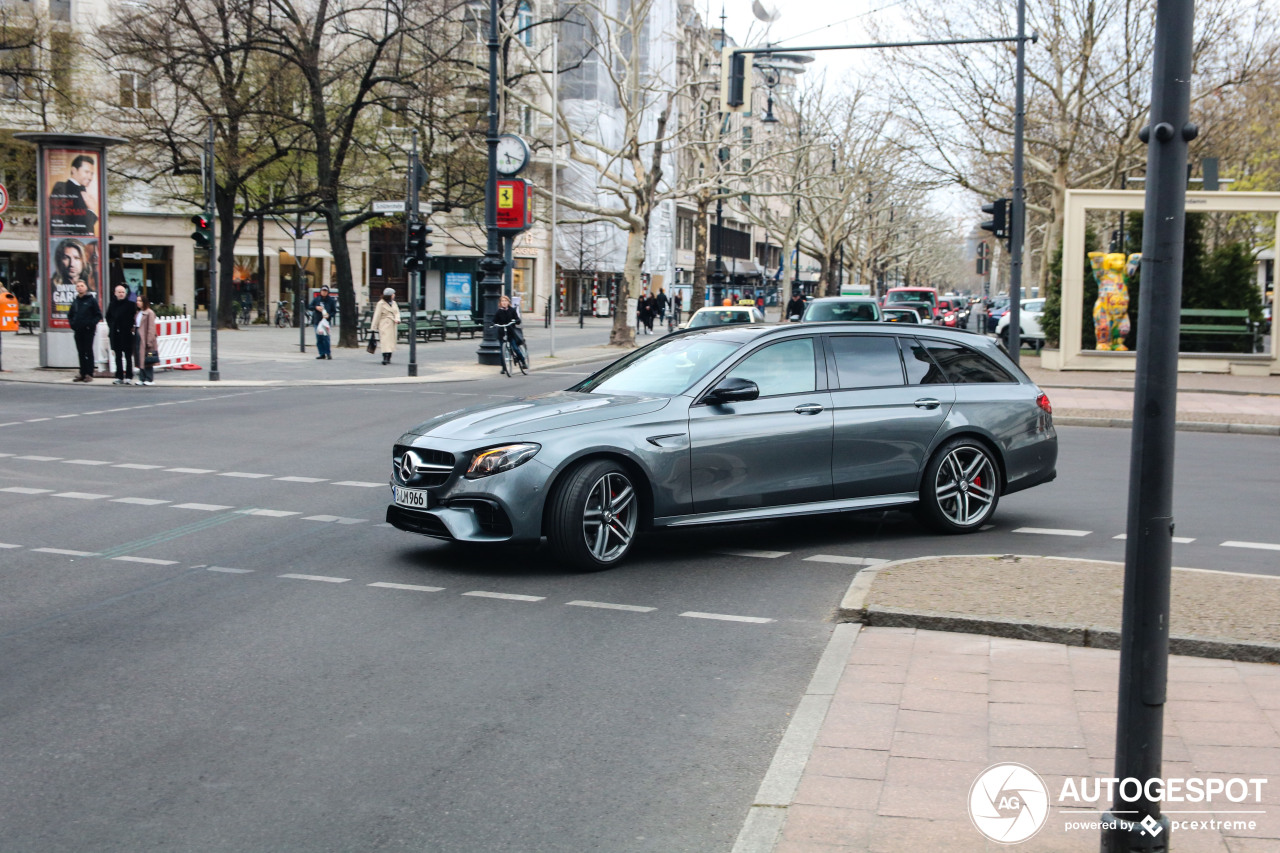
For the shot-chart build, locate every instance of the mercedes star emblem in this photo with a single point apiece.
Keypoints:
(408, 465)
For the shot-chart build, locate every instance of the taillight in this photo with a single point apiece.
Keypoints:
(1043, 402)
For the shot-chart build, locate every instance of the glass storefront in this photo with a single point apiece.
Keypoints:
(138, 267)
(19, 272)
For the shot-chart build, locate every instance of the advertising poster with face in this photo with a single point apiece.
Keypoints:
(72, 227)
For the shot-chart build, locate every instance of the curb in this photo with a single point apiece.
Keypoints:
(854, 609)
(1180, 426)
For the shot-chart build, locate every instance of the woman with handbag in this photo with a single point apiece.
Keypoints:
(148, 348)
(385, 322)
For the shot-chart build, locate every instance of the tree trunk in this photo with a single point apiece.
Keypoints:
(700, 240)
(226, 249)
(623, 334)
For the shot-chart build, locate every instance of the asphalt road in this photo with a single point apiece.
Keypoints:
(229, 652)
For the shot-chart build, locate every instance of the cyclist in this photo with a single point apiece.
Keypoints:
(507, 313)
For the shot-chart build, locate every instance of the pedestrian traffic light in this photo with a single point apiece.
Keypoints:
(415, 247)
(998, 224)
(203, 235)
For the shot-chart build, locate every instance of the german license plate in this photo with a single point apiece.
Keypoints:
(415, 498)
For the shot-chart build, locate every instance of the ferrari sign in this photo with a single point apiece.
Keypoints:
(512, 211)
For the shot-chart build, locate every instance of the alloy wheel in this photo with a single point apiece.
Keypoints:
(966, 486)
(609, 517)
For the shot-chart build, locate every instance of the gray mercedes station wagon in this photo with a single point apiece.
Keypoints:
(734, 424)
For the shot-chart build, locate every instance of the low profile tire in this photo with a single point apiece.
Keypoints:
(593, 516)
(961, 487)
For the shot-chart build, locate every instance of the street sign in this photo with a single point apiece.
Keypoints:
(302, 248)
(513, 211)
(399, 206)
(4, 199)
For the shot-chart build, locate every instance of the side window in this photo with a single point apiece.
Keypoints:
(866, 361)
(921, 369)
(962, 365)
(787, 367)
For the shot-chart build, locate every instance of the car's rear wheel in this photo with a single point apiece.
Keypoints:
(594, 514)
(961, 487)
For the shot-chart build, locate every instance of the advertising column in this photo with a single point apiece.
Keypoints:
(72, 197)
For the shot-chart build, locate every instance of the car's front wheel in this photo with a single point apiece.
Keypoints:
(593, 517)
(961, 487)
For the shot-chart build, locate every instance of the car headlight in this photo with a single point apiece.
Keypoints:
(498, 459)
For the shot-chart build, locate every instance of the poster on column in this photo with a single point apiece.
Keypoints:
(72, 227)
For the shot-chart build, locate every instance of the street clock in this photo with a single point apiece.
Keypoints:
(513, 154)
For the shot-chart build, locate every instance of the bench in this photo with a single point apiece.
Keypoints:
(29, 318)
(462, 321)
(1230, 323)
(366, 320)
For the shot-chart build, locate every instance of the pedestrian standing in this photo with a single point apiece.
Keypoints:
(121, 313)
(83, 316)
(323, 307)
(660, 306)
(677, 307)
(145, 338)
(795, 307)
(386, 322)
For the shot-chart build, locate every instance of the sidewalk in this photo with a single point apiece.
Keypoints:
(900, 720)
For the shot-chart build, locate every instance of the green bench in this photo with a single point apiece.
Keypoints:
(1229, 323)
(462, 321)
(29, 318)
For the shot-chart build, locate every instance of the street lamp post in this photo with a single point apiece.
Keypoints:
(492, 265)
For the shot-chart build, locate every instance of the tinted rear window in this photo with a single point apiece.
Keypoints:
(866, 361)
(961, 365)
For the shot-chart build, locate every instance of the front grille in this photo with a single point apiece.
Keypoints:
(434, 469)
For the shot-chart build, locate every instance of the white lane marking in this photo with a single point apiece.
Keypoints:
(848, 561)
(321, 578)
(81, 496)
(747, 552)
(137, 466)
(40, 458)
(38, 420)
(7, 545)
(301, 479)
(1262, 546)
(91, 413)
(84, 462)
(230, 571)
(5, 454)
(331, 519)
(604, 605)
(1181, 540)
(726, 618)
(60, 417)
(10, 423)
(65, 552)
(25, 490)
(243, 474)
(387, 585)
(148, 560)
(109, 411)
(1052, 531)
(359, 484)
(190, 470)
(269, 513)
(139, 501)
(204, 507)
(509, 596)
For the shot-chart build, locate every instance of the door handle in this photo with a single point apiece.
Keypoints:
(927, 403)
(808, 409)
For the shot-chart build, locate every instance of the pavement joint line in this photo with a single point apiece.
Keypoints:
(768, 812)
(320, 578)
(604, 605)
(725, 617)
(1052, 531)
(506, 596)
(407, 586)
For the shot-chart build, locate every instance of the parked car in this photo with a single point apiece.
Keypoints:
(915, 294)
(729, 424)
(856, 309)
(900, 315)
(1028, 322)
(953, 312)
(923, 309)
(726, 315)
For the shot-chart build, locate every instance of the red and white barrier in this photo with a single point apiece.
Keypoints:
(173, 340)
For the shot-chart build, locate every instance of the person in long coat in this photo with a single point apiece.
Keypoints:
(385, 320)
(120, 315)
(146, 339)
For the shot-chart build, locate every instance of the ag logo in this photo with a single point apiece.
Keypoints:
(1008, 803)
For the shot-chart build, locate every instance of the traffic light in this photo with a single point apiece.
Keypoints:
(203, 235)
(735, 81)
(416, 245)
(998, 224)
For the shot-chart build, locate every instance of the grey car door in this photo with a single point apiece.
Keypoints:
(772, 451)
(884, 426)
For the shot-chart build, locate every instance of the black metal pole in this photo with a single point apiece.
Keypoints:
(1017, 213)
(212, 208)
(415, 277)
(718, 276)
(1144, 640)
(492, 264)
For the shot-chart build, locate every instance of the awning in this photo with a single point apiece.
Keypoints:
(316, 252)
(736, 266)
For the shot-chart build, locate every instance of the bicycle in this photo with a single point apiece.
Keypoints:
(511, 352)
(283, 317)
(242, 317)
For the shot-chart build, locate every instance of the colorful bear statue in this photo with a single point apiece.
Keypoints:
(1111, 310)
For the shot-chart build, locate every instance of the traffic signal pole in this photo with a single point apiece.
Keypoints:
(415, 276)
(1017, 215)
(211, 189)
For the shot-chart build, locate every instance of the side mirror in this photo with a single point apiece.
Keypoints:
(734, 389)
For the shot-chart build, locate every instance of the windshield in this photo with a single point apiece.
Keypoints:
(901, 295)
(845, 311)
(666, 368)
(722, 317)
